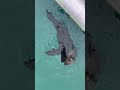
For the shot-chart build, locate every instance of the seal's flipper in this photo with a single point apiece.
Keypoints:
(50, 16)
(53, 52)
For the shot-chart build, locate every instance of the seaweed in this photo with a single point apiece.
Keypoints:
(62, 11)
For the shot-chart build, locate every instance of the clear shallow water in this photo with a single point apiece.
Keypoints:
(50, 73)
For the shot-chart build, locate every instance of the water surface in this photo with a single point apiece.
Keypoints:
(50, 73)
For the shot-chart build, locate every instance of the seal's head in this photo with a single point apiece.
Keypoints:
(70, 58)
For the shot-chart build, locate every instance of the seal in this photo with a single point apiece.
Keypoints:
(64, 41)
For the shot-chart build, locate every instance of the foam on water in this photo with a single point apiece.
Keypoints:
(50, 73)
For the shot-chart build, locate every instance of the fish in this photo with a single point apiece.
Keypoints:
(30, 63)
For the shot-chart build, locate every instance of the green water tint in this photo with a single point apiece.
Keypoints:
(50, 73)
(63, 11)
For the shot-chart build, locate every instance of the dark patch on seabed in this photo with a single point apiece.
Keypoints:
(30, 63)
(117, 15)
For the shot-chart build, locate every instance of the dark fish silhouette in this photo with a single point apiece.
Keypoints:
(30, 63)
(92, 62)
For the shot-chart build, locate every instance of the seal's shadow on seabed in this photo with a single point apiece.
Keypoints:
(92, 63)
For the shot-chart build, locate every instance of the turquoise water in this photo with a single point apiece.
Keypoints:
(50, 73)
